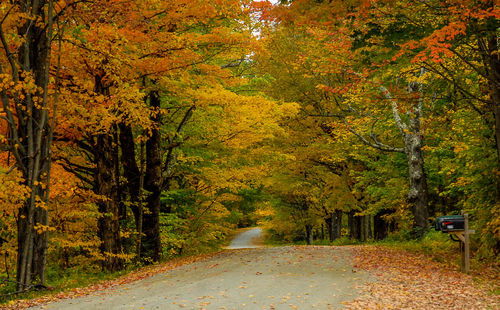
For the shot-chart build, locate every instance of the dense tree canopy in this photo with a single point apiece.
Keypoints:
(132, 131)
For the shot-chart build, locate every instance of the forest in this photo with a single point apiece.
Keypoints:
(136, 131)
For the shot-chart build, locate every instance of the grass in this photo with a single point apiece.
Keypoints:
(435, 244)
(62, 280)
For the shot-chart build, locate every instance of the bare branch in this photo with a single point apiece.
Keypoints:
(375, 144)
(395, 112)
(462, 90)
(10, 56)
(79, 175)
(327, 115)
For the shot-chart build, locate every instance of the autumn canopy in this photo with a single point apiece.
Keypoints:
(133, 131)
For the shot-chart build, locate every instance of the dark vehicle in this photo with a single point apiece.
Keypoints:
(450, 223)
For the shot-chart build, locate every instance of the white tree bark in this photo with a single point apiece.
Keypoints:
(413, 141)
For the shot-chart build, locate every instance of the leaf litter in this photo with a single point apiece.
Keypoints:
(413, 281)
(402, 280)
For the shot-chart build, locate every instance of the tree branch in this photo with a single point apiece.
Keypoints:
(376, 144)
(394, 105)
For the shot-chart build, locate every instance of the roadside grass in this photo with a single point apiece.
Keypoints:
(434, 244)
(60, 281)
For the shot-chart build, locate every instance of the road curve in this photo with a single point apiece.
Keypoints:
(290, 277)
(247, 239)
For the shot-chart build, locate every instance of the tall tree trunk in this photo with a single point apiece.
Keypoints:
(362, 228)
(380, 227)
(357, 225)
(309, 233)
(337, 224)
(329, 226)
(122, 210)
(334, 224)
(491, 61)
(41, 238)
(130, 169)
(369, 227)
(350, 224)
(141, 203)
(105, 185)
(28, 138)
(151, 243)
(354, 223)
(417, 195)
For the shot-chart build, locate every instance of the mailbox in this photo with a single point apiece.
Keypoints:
(450, 223)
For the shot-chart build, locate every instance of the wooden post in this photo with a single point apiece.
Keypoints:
(464, 237)
(466, 243)
(462, 256)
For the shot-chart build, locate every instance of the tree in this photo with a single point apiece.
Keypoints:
(26, 33)
(321, 142)
(143, 108)
(458, 52)
(331, 63)
(383, 62)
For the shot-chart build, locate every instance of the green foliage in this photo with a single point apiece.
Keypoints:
(333, 58)
(436, 244)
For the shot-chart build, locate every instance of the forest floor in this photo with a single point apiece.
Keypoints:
(289, 277)
(406, 280)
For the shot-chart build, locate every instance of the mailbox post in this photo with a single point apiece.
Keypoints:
(466, 259)
(458, 225)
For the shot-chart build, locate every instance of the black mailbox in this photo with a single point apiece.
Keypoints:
(450, 223)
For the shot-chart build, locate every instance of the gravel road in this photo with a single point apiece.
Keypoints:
(248, 239)
(289, 277)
